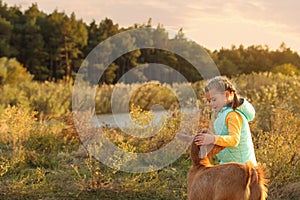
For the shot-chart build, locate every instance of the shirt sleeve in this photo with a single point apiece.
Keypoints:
(234, 123)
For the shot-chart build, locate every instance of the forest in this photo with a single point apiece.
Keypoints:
(53, 46)
(44, 156)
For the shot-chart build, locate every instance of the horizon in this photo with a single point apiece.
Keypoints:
(212, 24)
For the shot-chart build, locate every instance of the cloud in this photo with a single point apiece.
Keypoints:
(244, 22)
(283, 13)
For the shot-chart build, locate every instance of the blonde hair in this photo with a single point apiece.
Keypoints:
(222, 84)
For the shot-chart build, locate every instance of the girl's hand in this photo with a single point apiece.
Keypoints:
(204, 139)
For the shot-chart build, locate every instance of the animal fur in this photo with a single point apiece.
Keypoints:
(232, 181)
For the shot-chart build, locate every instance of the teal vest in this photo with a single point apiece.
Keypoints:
(244, 150)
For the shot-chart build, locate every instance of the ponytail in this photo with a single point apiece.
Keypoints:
(236, 102)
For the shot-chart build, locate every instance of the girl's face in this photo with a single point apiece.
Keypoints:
(217, 100)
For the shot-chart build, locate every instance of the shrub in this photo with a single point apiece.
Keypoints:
(47, 99)
(287, 69)
(25, 142)
(12, 72)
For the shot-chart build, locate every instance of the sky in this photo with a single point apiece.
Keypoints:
(211, 23)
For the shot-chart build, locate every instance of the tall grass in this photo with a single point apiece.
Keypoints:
(41, 155)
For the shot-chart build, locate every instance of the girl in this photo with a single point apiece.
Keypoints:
(231, 124)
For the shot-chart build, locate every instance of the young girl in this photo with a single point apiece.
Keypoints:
(231, 124)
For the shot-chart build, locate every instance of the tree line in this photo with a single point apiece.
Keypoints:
(53, 46)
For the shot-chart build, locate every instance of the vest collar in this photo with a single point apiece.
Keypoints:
(225, 108)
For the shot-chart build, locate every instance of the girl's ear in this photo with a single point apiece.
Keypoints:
(227, 94)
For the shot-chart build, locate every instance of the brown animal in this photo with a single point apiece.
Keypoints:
(232, 181)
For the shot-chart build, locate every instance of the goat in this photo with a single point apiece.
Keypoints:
(232, 181)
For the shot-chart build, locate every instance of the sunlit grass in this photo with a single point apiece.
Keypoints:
(41, 156)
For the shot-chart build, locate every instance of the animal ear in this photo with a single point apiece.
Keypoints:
(195, 154)
(254, 176)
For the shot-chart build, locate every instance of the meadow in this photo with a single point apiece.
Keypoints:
(42, 157)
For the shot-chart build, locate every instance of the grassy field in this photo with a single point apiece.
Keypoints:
(41, 155)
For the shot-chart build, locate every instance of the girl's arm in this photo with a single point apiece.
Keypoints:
(234, 123)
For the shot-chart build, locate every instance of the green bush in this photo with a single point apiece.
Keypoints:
(287, 69)
(12, 72)
(278, 150)
(48, 99)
